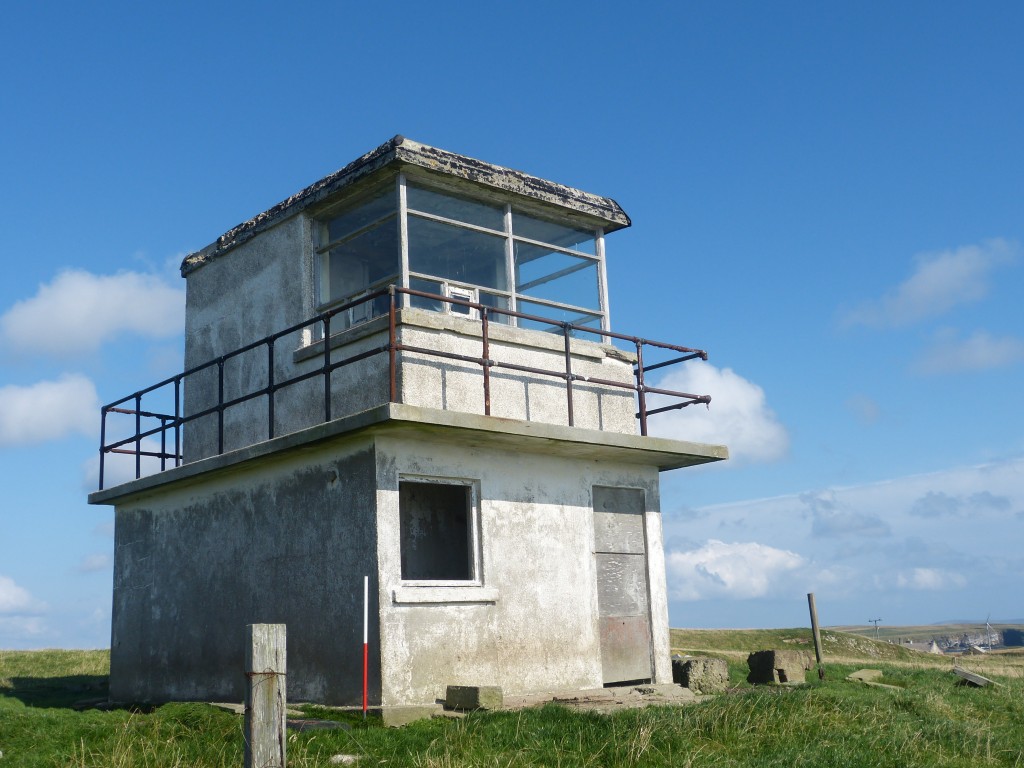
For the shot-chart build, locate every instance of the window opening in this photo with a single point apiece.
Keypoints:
(436, 522)
(464, 294)
(461, 247)
(358, 250)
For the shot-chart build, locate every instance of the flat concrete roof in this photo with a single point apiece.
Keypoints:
(401, 151)
(464, 429)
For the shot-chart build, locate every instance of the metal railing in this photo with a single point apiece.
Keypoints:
(169, 426)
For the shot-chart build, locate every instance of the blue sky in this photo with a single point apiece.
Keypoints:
(828, 199)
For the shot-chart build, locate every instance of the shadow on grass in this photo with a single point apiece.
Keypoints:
(58, 692)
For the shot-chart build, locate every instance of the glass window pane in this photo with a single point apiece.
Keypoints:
(559, 315)
(455, 207)
(556, 276)
(358, 263)
(454, 253)
(497, 302)
(556, 234)
(360, 215)
(427, 286)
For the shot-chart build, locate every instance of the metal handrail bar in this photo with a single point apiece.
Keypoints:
(393, 346)
(675, 361)
(154, 454)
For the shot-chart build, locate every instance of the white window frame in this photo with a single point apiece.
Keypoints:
(404, 275)
(440, 591)
(473, 519)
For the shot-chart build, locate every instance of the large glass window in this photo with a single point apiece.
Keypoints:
(455, 207)
(456, 246)
(359, 252)
(532, 228)
(454, 253)
(544, 273)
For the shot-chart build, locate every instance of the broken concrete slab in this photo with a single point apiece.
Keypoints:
(395, 717)
(625, 697)
(871, 677)
(701, 674)
(778, 667)
(970, 678)
(473, 697)
(865, 675)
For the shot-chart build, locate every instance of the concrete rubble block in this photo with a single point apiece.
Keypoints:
(395, 717)
(473, 697)
(779, 667)
(701, 674)
(865, 675)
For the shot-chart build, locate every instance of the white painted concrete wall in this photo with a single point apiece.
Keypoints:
(532, 624)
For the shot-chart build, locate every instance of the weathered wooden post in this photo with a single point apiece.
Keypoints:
(817, 634)
(265, 668)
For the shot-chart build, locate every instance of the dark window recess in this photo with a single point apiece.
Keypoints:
(436, 531)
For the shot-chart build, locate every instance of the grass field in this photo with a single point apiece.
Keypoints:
(928, 720)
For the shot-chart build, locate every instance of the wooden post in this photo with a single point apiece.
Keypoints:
(817, 634)
(265, 734)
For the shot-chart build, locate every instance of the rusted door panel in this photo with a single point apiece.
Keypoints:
(622, 590)
(625, 644)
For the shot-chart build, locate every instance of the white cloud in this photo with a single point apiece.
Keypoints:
(94, 563)
(120, 467)
(48, 410)
(980, 351)
(738, 570)
(77, 311)
(738, 416)
(941, 282)
(15, 599)
(20, 628)
(929, 579)
(832, 518)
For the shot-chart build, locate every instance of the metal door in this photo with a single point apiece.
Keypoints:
(622, 589)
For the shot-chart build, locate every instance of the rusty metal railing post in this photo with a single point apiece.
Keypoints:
(220, 405)
(487, 360)
(138, 435)
(163, 443)
(640, 386)
(270, 389)
(177, 421)
(567, 334)
(392, 356)
(103, 441)
(327, 367)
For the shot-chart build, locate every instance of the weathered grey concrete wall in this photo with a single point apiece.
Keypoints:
(285, 541)
(260, 288)
(532, 622)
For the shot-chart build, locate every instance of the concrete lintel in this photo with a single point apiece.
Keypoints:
(396, 419)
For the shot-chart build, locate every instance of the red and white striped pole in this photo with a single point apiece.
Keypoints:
(366, 646)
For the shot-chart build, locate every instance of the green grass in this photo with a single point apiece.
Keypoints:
(929, 721)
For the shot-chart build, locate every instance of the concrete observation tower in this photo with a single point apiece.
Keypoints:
(404, 371)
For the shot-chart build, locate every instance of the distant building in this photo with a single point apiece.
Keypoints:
(404, 371)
